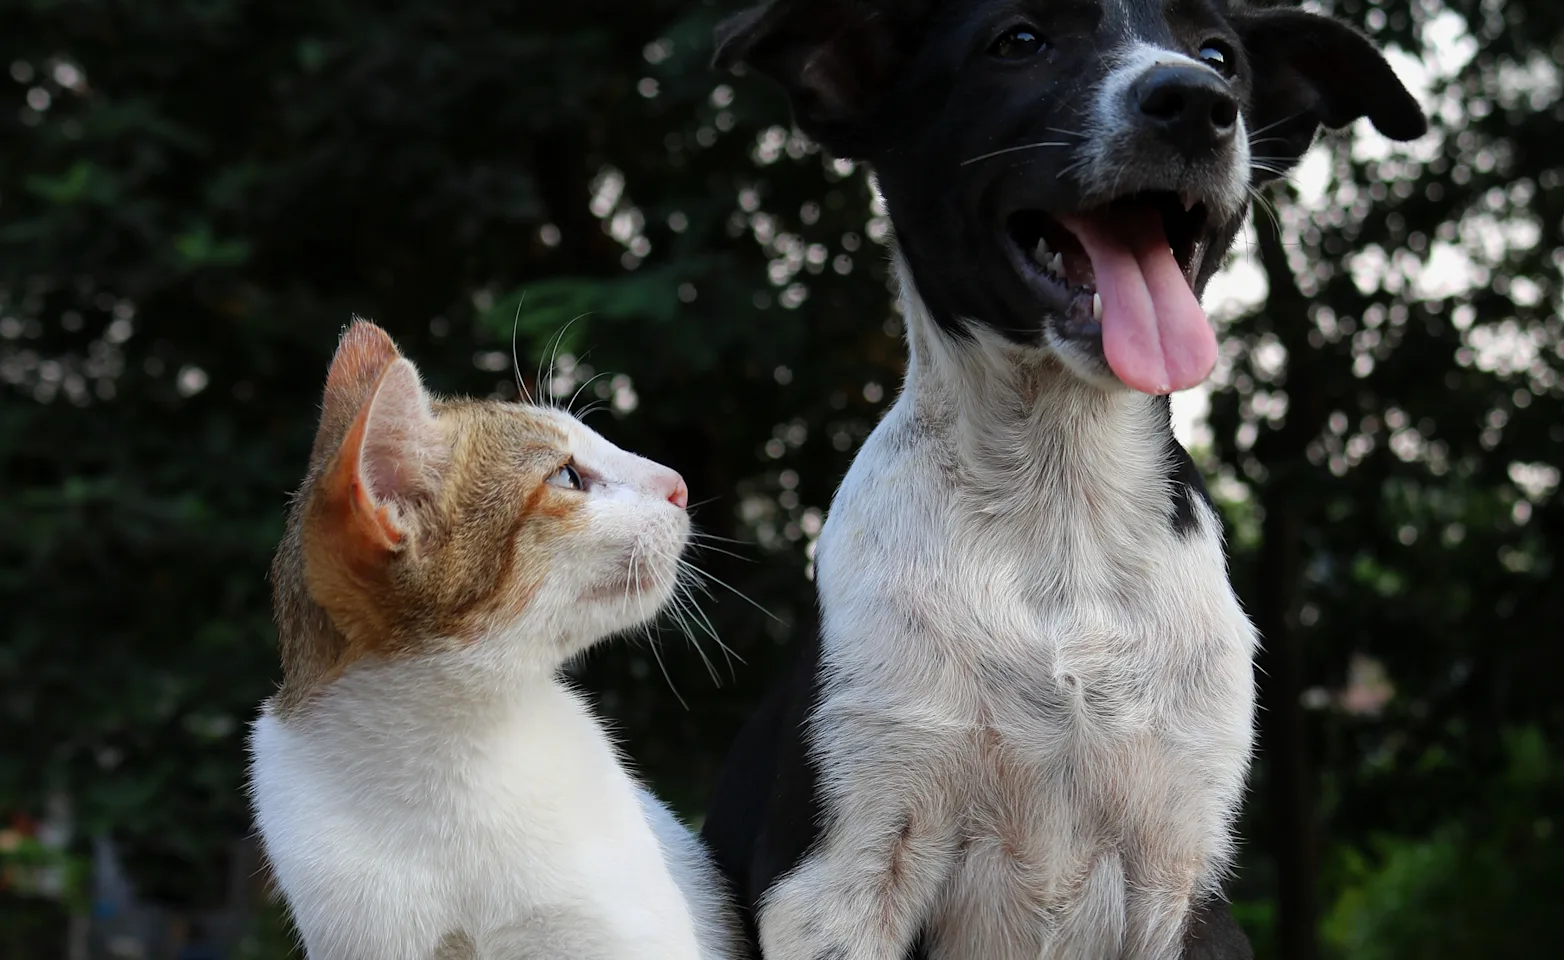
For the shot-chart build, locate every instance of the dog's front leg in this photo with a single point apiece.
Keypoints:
(866, 888)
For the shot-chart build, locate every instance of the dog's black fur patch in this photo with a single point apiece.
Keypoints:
(769, 815)
(1188, 485)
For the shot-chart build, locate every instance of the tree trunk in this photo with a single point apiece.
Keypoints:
(1284, 738)
(1283, 733)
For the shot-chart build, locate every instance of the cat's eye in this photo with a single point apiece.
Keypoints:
(1218, 57)
(568, 477)
(1017, 43)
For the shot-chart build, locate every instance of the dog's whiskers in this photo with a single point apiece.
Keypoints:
(1266, 165)
(1253, 142)
(1072, 167)
(1266, 204)
(1273, 125)
(1024, 146)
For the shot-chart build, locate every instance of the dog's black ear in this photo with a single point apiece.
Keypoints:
(834, 58)
(1311, 71)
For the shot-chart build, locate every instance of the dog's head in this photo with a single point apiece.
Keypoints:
(1070, 173)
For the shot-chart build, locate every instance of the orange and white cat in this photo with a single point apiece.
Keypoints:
(425, 785)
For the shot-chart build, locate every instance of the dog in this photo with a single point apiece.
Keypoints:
(1024, 725)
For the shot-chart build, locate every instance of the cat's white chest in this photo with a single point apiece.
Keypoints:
(392, 835)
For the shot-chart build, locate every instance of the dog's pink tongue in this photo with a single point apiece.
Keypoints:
(1154, 334)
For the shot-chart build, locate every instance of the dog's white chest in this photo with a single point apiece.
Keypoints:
(1052, 700)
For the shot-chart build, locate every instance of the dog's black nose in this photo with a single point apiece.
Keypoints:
(1190, 107)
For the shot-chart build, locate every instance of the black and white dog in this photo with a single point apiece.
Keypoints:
(1024, 728)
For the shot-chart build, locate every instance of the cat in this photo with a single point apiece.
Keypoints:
(425, 785)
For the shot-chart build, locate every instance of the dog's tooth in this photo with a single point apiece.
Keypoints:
(1097, 307)
(1056, 265)
(1189, 202)
(1041, 253)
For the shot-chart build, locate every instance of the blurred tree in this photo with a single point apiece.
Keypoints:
(1395, 431)
(196, 194)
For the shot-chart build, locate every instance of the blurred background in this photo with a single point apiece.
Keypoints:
(196, 195)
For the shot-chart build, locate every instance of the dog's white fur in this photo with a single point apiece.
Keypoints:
(1036, 711)
(468, 805)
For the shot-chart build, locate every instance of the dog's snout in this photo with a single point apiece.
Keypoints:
(1190, 107)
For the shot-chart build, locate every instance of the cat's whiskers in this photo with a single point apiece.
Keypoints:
(652, 641)
(674, 608)
(546, 387)
(684, 613)
(515, 361)
(685, 609)
(727, 652)
(727, 553)
(634, 582)
(696, 506)
(704, 575)
(698, 578)
(701, 535)
(591, 380)
(678, 612)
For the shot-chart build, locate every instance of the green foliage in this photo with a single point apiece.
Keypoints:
(269, 936)
(1460, 892)
(195, 196)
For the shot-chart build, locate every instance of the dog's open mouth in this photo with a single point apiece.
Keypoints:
(1125, 272)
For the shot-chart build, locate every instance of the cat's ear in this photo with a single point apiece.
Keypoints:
(363, 354)
(392, 451)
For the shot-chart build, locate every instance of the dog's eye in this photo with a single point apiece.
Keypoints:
(1218, 57)
(568, 477)
(1017, 43)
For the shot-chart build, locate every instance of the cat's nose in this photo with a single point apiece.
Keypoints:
(677, 493)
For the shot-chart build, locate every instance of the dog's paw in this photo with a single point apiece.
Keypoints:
(799, 921)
